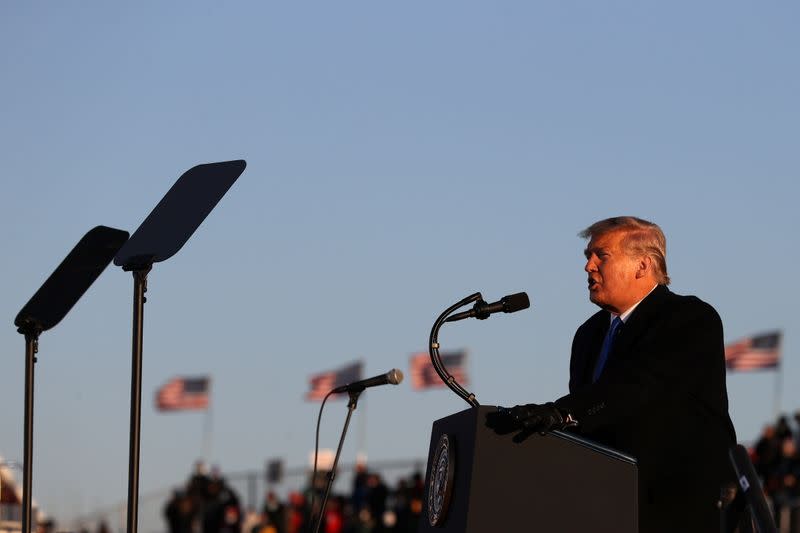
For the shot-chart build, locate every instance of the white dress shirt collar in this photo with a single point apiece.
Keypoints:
(624, 316)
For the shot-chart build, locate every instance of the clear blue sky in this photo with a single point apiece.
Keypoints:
(400, 156)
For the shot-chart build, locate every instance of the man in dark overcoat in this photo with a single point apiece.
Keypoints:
(647, 377)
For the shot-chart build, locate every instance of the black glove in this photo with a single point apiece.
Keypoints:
(501, 421)
(541, 418)
(528, 419)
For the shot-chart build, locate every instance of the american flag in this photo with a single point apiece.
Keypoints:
(754, 353)
(184, 393)
(424, 376)
(322, 383)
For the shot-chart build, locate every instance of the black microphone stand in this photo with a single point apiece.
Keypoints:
(351, 406)
(436, 359)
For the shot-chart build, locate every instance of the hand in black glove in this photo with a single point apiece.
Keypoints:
(501, 421)
(535, 417)
(527, 419)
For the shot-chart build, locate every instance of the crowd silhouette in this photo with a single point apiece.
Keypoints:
(208, 504)
(777, 462)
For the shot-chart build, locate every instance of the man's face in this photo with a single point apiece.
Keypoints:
(611, 273)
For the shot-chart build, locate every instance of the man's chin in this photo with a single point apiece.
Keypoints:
(596, 299)
(602, 304)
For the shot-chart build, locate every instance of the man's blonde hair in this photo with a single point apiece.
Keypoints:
(642, 238)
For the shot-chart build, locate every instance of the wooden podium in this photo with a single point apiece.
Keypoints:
(480, 482)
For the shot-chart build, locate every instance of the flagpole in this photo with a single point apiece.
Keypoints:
(361, 445)
(207, 431)
(778, 392)
(207, 436)
(362, 429)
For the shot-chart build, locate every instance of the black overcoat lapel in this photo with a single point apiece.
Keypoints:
(587, 349)
(642, 318)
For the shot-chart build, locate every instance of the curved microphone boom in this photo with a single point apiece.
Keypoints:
(480, 310)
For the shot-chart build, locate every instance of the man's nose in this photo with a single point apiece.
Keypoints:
(590, 266)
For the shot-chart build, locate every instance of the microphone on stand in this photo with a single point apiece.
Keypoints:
(507, 304)
(392, 377)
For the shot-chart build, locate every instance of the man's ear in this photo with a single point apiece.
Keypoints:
(644, 266)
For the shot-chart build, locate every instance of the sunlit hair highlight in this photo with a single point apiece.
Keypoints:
(642, 238)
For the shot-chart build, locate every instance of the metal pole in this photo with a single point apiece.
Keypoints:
(351, 406)
(251, 492)
(31, 347)
(139, 288)
(362, 434)
(778, 392)
(207, 433)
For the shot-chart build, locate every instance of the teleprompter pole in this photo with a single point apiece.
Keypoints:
(139, 288)
(46, 308)
(31, 347)
(165, 230)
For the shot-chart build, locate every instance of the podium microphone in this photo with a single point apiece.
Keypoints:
(392, 377)
(507, 304)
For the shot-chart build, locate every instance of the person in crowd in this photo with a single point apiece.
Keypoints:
(197, 491)
(299, 514)
(796, 418)
(417, 491)
(376, 499)
(782, 428)
(45, 526)
(261, 525)
(275, 512)
(222, 512)
(333, 522)
(647, 377)
(401, 504)
(208, 504)
(765, 453)
(784, 479)
(360, 488)
(178, 512)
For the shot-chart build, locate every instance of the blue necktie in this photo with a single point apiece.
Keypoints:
(608, 342)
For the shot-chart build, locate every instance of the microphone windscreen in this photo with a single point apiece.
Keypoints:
(395, 376)
(516, 302)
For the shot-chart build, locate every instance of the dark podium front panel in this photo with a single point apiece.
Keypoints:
(556, 482)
